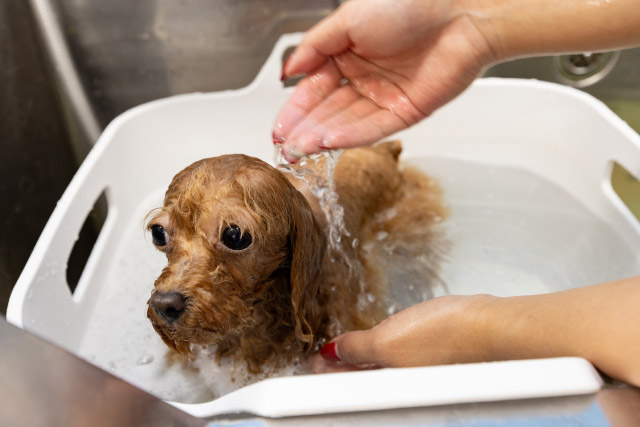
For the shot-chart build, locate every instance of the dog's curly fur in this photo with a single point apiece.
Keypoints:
(285, 294)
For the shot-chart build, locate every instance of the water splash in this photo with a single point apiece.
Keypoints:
(322, 185)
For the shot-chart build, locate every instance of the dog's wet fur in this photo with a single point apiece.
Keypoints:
(249, 269)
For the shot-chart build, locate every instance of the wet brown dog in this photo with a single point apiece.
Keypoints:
(248, 265)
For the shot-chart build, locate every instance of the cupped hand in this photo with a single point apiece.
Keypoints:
(375, 67)
(443, 330)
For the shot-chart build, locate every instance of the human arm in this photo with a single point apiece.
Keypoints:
(600, 323)
(403, 59)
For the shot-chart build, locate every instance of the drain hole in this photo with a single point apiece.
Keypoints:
(585, 63)
(584, 69)
(86, 240)
(627, 187)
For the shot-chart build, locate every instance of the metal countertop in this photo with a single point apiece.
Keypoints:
(43, 385)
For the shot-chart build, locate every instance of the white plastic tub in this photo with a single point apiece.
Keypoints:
(517, 160)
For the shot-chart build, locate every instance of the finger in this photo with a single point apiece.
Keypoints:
(382, 108)
(338, 101)
(318, 365)
(346, 133)
(327, 38)
(309, 93)
(310, 134)
(355, 348)
(336, 132)
(361, 124)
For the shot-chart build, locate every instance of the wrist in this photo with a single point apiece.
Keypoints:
(510, 28)
(517, 28)
(526, 327)
(484, 16)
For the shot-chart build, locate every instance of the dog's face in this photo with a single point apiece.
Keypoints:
(243, 250)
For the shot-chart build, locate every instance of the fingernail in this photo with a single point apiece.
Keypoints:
(329, 352)
(327, 142)
(291, 160)
(276, 139)
(291, 155)
(284, 67)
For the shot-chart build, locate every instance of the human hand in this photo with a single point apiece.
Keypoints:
(375, 67)
(449, 329)
(599, 323)
(378, 66)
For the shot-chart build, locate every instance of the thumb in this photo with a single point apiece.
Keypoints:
(327, 38)
(354, 347)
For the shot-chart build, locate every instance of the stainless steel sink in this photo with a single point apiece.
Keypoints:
(68, 67)
(111, 56)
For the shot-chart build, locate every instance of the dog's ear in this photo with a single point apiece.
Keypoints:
(308, 246)
(394, 148)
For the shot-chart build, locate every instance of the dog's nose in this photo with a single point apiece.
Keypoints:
(169, 305)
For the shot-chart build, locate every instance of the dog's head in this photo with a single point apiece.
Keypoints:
(243, 250)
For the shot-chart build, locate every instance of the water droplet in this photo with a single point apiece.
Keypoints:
(145, 359)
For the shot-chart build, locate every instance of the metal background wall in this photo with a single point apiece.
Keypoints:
(36, 161)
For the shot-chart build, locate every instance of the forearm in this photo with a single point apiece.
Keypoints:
(600, 323)
(529, 27)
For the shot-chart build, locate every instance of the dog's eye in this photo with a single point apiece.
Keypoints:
(235, 239)
(159, 235)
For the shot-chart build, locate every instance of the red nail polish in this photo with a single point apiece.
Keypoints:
(276, 139)
(328, 352)
(284, 67)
